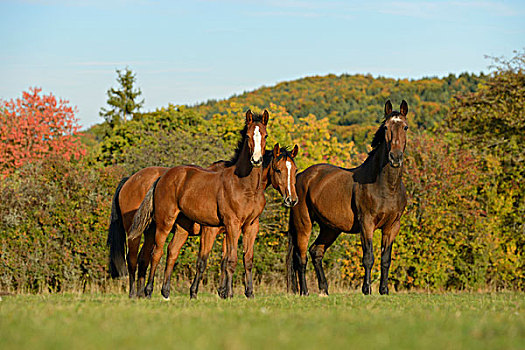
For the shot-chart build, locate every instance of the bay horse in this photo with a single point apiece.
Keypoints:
(128, 196)
(279, 170)
(359, 200)
(230, 198)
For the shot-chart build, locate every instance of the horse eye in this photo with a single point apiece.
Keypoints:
(265, 136)
(406, 127)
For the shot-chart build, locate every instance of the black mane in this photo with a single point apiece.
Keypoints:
(256, 118)
(379, 136)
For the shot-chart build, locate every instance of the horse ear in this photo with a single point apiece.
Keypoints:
(249, 116)
(295, 151)
(404, 108)
(266, 116)
(276, 150)
(388, 107)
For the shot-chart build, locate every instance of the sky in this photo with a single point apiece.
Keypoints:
(186, 52)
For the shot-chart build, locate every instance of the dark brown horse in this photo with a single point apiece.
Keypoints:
(358, 200)
(230, 198)
(279, 170)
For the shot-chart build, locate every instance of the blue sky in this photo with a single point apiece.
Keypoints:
(184, 52)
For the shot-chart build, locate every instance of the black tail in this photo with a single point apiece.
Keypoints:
(291, 275)
(117, 238)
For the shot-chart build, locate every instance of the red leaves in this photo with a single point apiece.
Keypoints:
(34, 127)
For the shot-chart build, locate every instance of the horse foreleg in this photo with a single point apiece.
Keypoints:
(249, 235)
(367, 231)
(208, 235)
(179, 238)
(326, 237)
(233, 232)
(389, 234)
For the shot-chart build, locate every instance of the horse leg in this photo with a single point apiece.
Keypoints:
(301, 229)
(179, 238)
(161, 233)
(326, 237)
(367, 231)
(133, 247)
(387, 239)
(145, 258)
(233, 232)
(208, 236)
(223, 279)
(249, 235)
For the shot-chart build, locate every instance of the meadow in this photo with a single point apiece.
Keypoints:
(269, 321)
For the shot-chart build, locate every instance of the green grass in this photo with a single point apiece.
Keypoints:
(341, 321)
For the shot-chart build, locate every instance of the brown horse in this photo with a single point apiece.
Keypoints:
(127, 199)
(128, 196)
(279, 170)
(230, 198)
(358, 200)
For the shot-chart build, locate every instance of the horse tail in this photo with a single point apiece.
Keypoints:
(117, 237)
(291, 277)
(144, 215)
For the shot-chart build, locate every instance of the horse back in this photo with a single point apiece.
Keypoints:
(134, 191)
(192, 190)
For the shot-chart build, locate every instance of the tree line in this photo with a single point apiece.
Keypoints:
(463, 228)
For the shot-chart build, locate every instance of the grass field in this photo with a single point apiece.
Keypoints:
(341, 321)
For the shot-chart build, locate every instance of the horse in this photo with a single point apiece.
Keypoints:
(359, 200)
(126, 201)
(230, 198)
(279, 171)
(128, 196)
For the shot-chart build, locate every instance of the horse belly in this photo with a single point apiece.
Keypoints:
(336, 212)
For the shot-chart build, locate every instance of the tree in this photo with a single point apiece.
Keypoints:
(122, 101)
(491, 121)
(34, 127)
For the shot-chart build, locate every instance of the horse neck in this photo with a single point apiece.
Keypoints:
(380, 169)
(249, 175)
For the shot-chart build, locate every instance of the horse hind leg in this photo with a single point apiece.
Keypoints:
(145, 259)
(179, 238)
(133, 247)
(326, 237)
(208, 236)
(161, 234)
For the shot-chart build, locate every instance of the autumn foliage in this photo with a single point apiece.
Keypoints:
(36, 126)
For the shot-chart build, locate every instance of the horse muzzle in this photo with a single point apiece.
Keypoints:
(395, 158)
(290, 202)
(256, 162)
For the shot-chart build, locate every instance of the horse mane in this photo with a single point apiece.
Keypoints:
(379, 136)
(256, 118)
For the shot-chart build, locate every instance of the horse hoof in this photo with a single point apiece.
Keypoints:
(383, 290)
(165, 293)
(222, 293)
(367, 290)
(323, 294)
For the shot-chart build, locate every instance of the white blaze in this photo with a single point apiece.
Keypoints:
(257, 138)
(397, 119)
(289, 167)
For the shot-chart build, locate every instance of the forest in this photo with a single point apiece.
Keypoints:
(463, 227)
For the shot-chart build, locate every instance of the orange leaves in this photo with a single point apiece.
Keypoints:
(34, 127)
